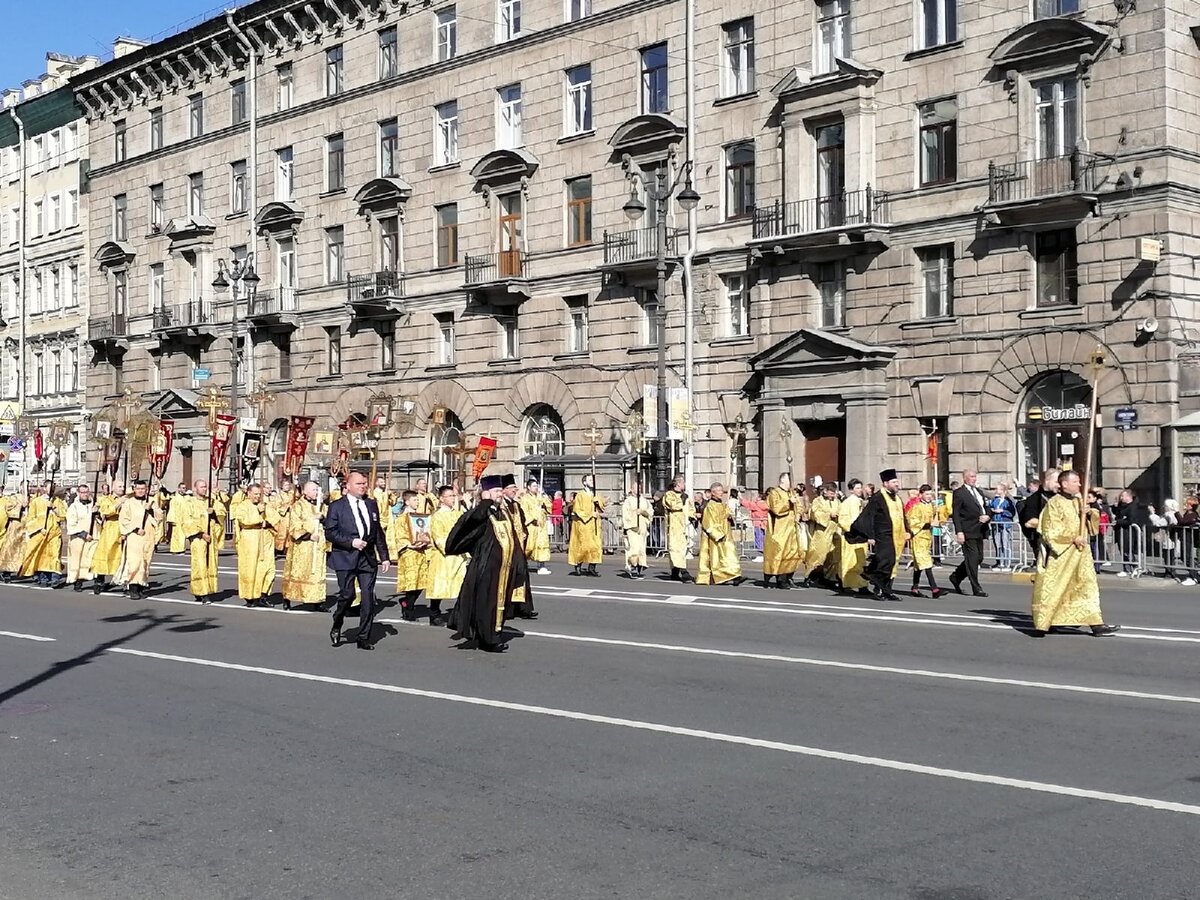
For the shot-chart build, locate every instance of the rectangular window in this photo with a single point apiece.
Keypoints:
(831, 281)
(510, 336)
(389, 56)
(156, 208)
(335, 254)
(238, 193)
(71, 141)
(284, 174)
(158, 288)
(72, 209)
(1048, 9)
(648, 307)
(574, 10)
(737, 305)
(937, 281)
(39, 374)
(156, 128)
(508, 117)
(446, 33)
(445, 339)
(120, 304)
(833, 34)
(446, 136)
(53, 143)
(1057, 268)
(508, 20)
(333, 351)
(655, 98)
(39, 291)
(1057, 117)
(284, 346)
(72, 285)
(36, 155)
(579, 211)
(120, 209)
(387, 346)
(389, 148)
(577, 324)
(55, 212)
(39, 217)
(577, 113)
(285, 94)
(237, 101)
(334, 71)
(196, 194)
(447, 235)
(739, 180)
(389, 244)
(738, 70)
(120, 144)
(939, 22)
(196, 115)
(335, 163)
(938, 141)
(55, 298)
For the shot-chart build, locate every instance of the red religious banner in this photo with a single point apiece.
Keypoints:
(483, 455)
(161, 443)
(220, 439)
(39, 445)
(112, 454)
(931, 448)
(299, 428)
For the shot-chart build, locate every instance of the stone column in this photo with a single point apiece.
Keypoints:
(866, 438)
(772, 452)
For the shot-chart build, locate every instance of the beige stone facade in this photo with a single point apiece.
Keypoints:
(913, 231)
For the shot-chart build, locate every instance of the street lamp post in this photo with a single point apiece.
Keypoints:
(659, 191)
(239, 276)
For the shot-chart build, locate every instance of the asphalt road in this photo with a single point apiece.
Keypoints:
(639, 740)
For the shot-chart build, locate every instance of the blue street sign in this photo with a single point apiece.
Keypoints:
(201, 374)
(1126, 418)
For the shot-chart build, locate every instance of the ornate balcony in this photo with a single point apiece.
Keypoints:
(191, 322)
(275, 309)
(376, 295)
(502, 277)
(109, 334)
(1032, 192)
(632, 256)
(825, 227)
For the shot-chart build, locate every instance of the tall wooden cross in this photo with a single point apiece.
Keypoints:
(261, 400)
(213, 402)
(128, 404)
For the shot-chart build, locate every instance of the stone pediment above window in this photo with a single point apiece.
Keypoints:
(849, 75)
(279, 217)
(382, 196)
(1045, 41)
(812, 349)
(647, 131)
(114, 255)
(504, 167)
(175, 402)
(190, 232)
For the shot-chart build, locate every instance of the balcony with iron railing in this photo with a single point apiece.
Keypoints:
(375, 286)
(1029, 191)
(273, 308)
(638, 245)
(847, 211)
(108, 329)
(195, 317)
(490, 268)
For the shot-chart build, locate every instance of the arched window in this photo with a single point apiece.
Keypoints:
(542, 432)
(1054, 425)
(442, 439)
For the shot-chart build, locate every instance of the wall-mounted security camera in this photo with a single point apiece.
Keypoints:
(1148, 326)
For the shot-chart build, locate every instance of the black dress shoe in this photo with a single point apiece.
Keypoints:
(363, 645)
(78, 586)
(439, 619)
(335, 636)
(957, 585)
(1104, 630)
(528, 615)
(736, 581)
(980, 593)
(493, 648)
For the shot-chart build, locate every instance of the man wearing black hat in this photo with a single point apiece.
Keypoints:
(881, 525)
(521, 601)
(487, 533)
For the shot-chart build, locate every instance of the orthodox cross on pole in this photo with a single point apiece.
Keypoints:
(785, 435)
(737, 434)
(593, 434)
(128, 404)
(213, 402)
(261, 400)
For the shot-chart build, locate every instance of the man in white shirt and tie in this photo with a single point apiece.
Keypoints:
(359, 552)
(971, 527)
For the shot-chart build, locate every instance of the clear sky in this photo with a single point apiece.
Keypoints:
(80, 27)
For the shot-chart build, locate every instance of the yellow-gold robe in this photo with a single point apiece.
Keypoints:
(304, 568)
(412, 561)
(255, 549)
(445, 572)
(106, 561)
(824, 517)
(12, 547)
(196, 523)
(852, 558)
(82, 530)
(781, 544)
(536, 509)
(175, 512)
(585, 547)
(921, 518)
(1065, 591)
(719, 561)
(635, 523)
(138, 515)
(680, 510)
(282, 501)
(43, 536)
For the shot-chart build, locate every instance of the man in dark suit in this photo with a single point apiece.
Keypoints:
(971, 529)
(359, 553)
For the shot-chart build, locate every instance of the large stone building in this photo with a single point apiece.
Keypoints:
(44, 265)
(917, 222)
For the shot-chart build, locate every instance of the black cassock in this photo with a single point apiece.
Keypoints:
(520, 592)
(487, 534)
(1031, 508)
(875, 523)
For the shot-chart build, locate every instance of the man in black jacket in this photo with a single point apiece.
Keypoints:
(971, 527)
(881, 524)
(1030, 509)
(1131, 524)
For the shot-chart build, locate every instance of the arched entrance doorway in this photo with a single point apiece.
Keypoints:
(1054, 425)
(542, 447)
(446, 440)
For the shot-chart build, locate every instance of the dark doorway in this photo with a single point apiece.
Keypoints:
(824, 449)
(187, 467)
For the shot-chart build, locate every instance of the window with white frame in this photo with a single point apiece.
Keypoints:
(579, 211)
(389, 55)
(577, 324)
(445, 339)
(445, 116)
(510, 336)
(655, 96)
(1056, 256)
(508, 20)
(39, 291)
(156, 128)
(737, 305)
(447, 235)
(831, 284)
(938, 22)
(574, 10)
(158, 287)
(54, 296)
(156, 208)
(120, 141)
(39, 217)
(120, 208)
(56, 371)
(1057, 106)
(739, 180)
(285, 181)
(55, 214)
(508, 117)
(196, 115)
(333, 351)
(938, 124)
(937, 281)
(285, 87)
(577, 113)
(72, 285)
(71, 142)
(335, 254)
(648, 316)
(389, 148)
(335, 162)
(833, 34)
(334, 71)
(1048, 9)
(37, 154)
(196, 194)
(39, 373)
(446, 33)
(54, 146)
(737, 71)
(72, 210)
(237, 102)
(389, 243)
(238, 192)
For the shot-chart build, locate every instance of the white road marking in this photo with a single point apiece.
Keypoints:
(28, 637)
(699, 734)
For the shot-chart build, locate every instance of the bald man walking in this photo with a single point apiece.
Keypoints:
(971, 527)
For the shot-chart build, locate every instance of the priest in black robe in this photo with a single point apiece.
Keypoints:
(487, 533)
(520, 603)
(881, 523)
(1031, 508)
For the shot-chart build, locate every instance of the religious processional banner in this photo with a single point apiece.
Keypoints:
(299, 429)
(161, 444)
(251, 449)
(483, 456)
(39, 445)
(222, 434)
(113, 448)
